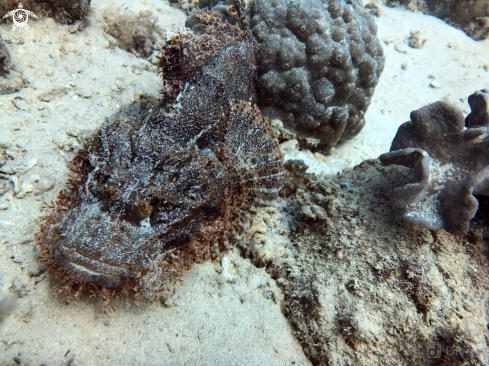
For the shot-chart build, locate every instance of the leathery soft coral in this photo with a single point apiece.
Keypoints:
(450, 156)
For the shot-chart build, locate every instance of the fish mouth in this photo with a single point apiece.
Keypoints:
(84, 275)
(93, 266)
(87, 270)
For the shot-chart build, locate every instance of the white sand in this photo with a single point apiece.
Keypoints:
(223, 313)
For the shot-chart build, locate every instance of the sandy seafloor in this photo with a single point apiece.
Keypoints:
(223, 314)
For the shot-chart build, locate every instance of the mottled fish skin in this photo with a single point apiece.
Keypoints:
(165, 184)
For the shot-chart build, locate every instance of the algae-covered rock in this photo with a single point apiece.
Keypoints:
(363, 287)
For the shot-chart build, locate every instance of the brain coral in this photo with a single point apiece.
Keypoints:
(318, 63)
(163, 185)
(450, 156)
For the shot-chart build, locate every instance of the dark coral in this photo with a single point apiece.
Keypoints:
(163, 185)
(5, 62)
(64, 11)
(450, 157)
(470, 15)
(318, 63)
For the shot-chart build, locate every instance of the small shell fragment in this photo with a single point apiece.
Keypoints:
(434, 84)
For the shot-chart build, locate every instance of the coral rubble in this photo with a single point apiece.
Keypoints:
(165, 184)
(450, 157)
(318, 63)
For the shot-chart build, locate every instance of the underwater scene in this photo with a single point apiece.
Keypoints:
(244, 182)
